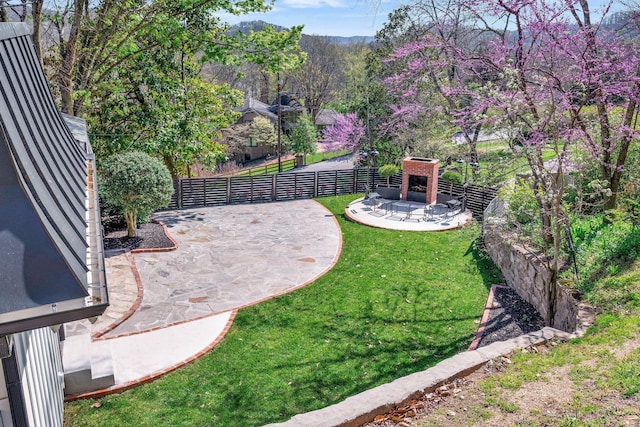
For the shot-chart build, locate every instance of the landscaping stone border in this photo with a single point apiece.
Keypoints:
(362, 408)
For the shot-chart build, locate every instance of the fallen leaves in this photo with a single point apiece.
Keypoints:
(404, 415)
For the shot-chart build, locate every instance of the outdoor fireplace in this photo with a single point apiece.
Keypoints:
(419, 179)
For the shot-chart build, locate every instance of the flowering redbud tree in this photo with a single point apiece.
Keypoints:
(554, 78)
(345, 134)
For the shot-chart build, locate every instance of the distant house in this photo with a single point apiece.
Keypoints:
(325, 118)
(251, 109)
(290, 111)
(51, 259)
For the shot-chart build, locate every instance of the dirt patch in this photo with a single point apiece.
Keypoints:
(556, 398)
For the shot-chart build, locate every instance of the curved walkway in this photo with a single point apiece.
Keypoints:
(227, 257)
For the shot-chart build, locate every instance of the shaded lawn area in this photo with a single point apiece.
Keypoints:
(396, 302)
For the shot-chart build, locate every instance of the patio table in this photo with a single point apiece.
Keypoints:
(406, 205)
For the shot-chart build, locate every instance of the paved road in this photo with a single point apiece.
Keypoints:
(338, 163)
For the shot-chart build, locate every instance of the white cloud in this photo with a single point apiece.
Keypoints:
(301, 4)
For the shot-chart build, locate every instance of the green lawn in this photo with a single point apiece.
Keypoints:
(395, 303)
(325, 155)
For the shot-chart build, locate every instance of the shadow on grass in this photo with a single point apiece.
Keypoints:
(491, 275)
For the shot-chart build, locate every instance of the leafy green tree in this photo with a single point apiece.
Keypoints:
(452, 176)
(234, 138)
(261, 129)
(137, 183)
(92, 44)
(304, 136)
(387, 171)
(165, 109)
(132, 69)
(316, 81)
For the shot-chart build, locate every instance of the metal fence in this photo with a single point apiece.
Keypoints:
(200, 192)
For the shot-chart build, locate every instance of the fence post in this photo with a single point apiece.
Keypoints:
(315, 184)
(354, 181)
(204, 191)
(274, 187)
(228, 190)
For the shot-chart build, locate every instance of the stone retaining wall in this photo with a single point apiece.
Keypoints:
(527, 274)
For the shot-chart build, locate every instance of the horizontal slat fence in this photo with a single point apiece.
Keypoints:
(477, 197)
(198, 192)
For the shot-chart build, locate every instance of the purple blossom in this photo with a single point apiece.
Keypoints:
(346, 133)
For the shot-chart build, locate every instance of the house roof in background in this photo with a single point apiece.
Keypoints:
(44, 249)
(326, 118)
(253, 105)
(287, 103)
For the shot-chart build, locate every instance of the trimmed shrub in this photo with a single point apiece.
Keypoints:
(452, 176)
(387, 171)
(136, 183)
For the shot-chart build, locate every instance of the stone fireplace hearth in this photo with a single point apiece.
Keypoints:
(419, 180)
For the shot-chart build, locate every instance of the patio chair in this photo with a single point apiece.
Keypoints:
(428, 214)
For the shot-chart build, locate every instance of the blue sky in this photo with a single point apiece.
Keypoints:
(341, 17)
(327, 17)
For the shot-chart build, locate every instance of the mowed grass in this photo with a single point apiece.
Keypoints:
(395, 303)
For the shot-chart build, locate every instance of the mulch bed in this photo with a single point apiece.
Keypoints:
(150, 235)
(509, 317)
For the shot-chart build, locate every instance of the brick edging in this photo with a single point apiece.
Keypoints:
(136, 274)
(485, 316)
(136, 304)
(166, 233)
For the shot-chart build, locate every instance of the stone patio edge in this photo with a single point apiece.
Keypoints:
(134, 270)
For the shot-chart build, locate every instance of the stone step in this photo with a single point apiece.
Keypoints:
(88, 365)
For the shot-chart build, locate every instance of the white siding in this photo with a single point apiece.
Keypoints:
(5, 410)
(40, 366)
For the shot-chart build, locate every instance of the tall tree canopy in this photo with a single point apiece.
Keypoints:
(132, 69)
(552, 75)
(316, 81)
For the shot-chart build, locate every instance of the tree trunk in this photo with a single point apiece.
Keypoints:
(552, 297)
(69, 57)
(36, 15)
(130, 218)
(264, 93)
(170, 164)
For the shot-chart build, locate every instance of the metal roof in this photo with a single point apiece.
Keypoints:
(50, 244)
